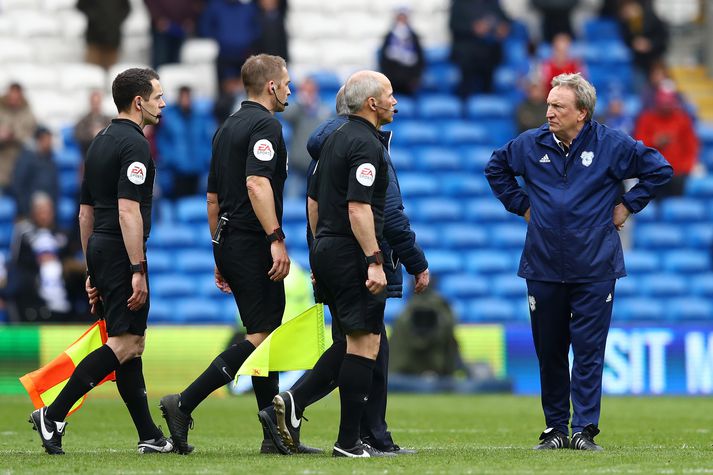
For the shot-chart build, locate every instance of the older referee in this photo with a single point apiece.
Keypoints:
(247, 175)
(572, 168)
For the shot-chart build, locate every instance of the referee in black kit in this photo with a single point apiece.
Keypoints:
(114, 221)
(346, 202)
(247, 174)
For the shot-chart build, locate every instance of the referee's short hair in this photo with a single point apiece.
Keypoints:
(131, 83)
(584, 93)
(361, 86)
(259, 69)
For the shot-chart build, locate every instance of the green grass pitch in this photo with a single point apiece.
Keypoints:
(454, 434)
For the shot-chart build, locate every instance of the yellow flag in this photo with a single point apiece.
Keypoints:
(296, 344)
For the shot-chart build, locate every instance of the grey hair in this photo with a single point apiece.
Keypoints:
(342, 108)
(359, 88)
(40, 197)
(585, 94)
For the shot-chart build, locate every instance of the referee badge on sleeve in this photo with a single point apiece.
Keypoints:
(263, 150)
(136, 173)
(366, 174)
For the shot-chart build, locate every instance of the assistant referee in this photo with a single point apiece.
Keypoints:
(114, 222)
(247, 175)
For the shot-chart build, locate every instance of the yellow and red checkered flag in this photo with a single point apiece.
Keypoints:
(43, 385)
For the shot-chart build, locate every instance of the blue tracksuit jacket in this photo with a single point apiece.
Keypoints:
(571, 237)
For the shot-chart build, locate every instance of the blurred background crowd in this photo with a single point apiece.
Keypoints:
(468, 74)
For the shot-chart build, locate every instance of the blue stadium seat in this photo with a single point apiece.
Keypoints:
(476, 158)
(442, 262)
(705, 133)
(489, 262)
(172, 285)
(682, 210)
(486, 210)
(638, 309)
(67, 211)
(393, 309)
(461, 185)
(162, 311)
(162, 211)
(199, 310)
(439, 106)
(599, 29)
(7, 209)
(505, 78)
(417, 185)
(663, 285)
(463, 236)
(159, 261)
(435, 210)
(172, 236)
(427, 236)
(686, 262)
(439, 159)
(68, 159)
(627, 286)
(326, 80)
(205, 286)
(463, 132)
(407, 107)
(515, 53)
(658, 236)
(508, 236)
(300, 256)
(699, 236)
(413, 132)
(689, 309)
(640, 261)
(194, 261)
(5, 238)
(293, 209)
(490, 310)
(463, 286)
(489, 106)
(440, 78)
(500, 131)
(611, 52)
(437, 55)
(700, 186)
(702, 285)
(509, 286)
(402, 158)
(191, 209)
(650, 214)
(68, 183)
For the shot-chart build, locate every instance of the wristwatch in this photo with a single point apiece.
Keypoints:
(277, 235)
(140, 267)
(376, 258)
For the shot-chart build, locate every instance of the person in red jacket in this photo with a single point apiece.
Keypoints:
(668, 128)
(560, 62)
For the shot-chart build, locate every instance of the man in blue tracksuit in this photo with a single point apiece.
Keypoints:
(572, 169)
(399, 247)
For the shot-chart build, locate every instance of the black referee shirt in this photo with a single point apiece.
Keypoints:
(118, 165)
(249, 143)
(351, 167)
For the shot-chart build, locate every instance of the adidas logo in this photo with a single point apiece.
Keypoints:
(608, 298)
(545, 159)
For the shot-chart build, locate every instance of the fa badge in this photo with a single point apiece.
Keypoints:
(587, 158)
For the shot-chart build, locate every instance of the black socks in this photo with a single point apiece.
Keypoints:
(220, 372)
(322, 379)
(132, 388)
(89, 372)
(354, 386)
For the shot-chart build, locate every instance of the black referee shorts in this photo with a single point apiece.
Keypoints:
(341, 271)
(108, 264)
(244, 259)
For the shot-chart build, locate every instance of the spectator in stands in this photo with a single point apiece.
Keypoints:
(104, 19)
(91, 124)
(560, 62)
(478, 28)
(183, 140)
(35, 171)
(235, 26)
(401, 56)
(532, 109)
(231, 95)
(669, 129)
(17, 124)
(273, 35)
(646, 35)
(556, 15)
(304, 115)
(171, 22)
(36, 290)
(615, 117)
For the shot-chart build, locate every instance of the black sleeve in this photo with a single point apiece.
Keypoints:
(364, 161)
(265, 139)
(133, 170)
